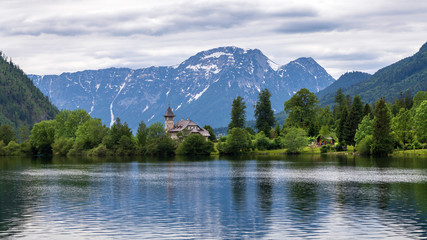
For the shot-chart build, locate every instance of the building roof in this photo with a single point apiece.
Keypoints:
(169, 112)
(189, 125)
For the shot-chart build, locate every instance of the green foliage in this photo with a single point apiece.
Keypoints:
(212, 136)
(419, 98)
(126, 146)
(421, 122)
(365, 128)
(365, 145)
(155, 130)
(195, 144)
(116, 132)
(301, 108)
(90, 134)
(21, 103)
(68, 121)
(142, 134)
(367, 110)
(6, 134)
(354, 118)
(162, 146)
(61, 146)
(100, 151)
(12, 149)
(238, 114)
(295, 140)
(262, 142)
(382, 142)
(42, 136)
(402, 126)
(238, 141)
(264, 113)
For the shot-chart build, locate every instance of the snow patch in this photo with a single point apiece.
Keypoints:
(273, 65)
(217, 55)
(211, 68)
(168, 92)
(97, 86)
(149, 80)
(179, 106)
(197, 96)
(145, 109)
(151, 118)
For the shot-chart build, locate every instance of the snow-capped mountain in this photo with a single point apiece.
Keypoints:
(201, 88)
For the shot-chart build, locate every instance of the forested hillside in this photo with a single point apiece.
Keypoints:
(21, 103)
(326, 96)
(409, 74)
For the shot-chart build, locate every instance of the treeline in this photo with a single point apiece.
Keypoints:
(376, 129)
(21, 103)
(76, 133)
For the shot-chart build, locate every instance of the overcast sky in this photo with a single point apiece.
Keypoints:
(55, 36)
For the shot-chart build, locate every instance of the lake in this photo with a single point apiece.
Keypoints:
(252, 197)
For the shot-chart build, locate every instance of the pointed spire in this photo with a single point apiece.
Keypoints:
(169, 112)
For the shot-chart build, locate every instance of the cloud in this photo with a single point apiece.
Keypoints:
(72, 35)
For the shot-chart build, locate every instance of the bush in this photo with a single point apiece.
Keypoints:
(100, 151)
(341, 146)
(195, 144)
(325, 148)
(262, 143)
(295, 140)
(12, 149)
(62, 146)
(364, 147)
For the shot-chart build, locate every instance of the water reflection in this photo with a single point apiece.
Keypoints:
(272, 197)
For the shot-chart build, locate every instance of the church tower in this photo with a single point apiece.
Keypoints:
(169, 119)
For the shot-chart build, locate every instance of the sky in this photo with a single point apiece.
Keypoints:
(54, 36)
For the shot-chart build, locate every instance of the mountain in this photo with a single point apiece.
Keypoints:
(326, 96)
(21, 103)
(409, 74)
(201, 88)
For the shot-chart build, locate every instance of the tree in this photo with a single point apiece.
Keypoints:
(68, 121)
(342, 132)
(42, 136)
(212, 136)
(295, 140)
(263, 113)
(90, 134)
(340, 102)
(354, 118)
(155, 130)
(408, 100)
(6, 134)
(381, 142)
(367, 110)
(116, 132)
(421, 122)
(365, 128)
(142, 134)
(238, 141)
(195, 144)
(238, 114)
(301, 108)
(419, 98)
(402, 126)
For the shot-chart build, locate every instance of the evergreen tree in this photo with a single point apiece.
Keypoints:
(354, 118)
(142, 133)
(367, 110)
(238, 114)
(263, 113)
(342, 129)
(382, 143)
(408, 100)
(340, 103)
(212, 136)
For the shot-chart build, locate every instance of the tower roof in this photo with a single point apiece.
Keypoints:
(169, 112)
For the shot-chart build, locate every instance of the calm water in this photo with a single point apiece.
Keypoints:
(249, 198)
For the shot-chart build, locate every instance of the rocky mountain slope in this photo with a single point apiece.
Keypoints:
(201, 88)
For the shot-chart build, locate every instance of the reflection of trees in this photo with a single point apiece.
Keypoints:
(264, 186)
(304, 198)
(238, 184)
(16, 198)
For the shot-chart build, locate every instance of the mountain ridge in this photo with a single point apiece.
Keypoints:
(201, 87)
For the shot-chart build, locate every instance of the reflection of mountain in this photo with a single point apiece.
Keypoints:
(281, 197)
